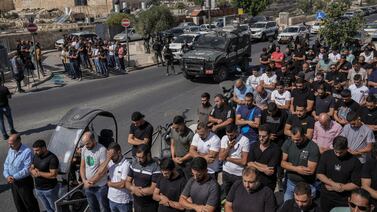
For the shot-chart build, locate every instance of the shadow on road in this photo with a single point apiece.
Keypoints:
(38, 130)
(4, 187)
(47, 88)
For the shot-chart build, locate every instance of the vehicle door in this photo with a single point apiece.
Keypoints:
(269, 29)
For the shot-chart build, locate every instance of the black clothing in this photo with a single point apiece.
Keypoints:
(323, 104)
(172, 189)
(343, 108)
(306, 122)
(341, 170)
(262, 199)
(286, 78)
(291, 206)
(335, 76)
(369, 117)
(143, 131)
(44, 164)
(369, 172)
(225, 112)
(300, 97)
(23, 196)
(4, 96)
(228, 181)
(276, 123)
(270, 157)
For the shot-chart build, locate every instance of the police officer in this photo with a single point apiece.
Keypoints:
(168, 56)
(157, 48)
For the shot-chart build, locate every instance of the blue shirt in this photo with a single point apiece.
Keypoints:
(249, 114)
(17, 163)
(242, 93)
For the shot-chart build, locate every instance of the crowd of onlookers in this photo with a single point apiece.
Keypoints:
(304, 123)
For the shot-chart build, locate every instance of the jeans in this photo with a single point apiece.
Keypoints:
(288, 194)
(97, 65)
(120, 207)
(48, 198)
(76, 72)
(8, 114)
(97, 198)
(104, 69)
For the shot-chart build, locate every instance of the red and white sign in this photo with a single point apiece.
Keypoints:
(31, 27)
(126, 22)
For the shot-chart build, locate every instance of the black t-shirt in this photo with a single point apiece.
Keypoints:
(315, 85)
(270, 156)
(341, 170)
(369, 117)
(172, 189)
(286, 78)
(291, 206)
(369, 172)
(222, 113)
(335, 76)
(323, 105)
(263, 199)
(343, 108)
(4, 95)
(306, 122)
(264, 56)
(44, 164)
(300, 97)
(276, 123)
(143, 131)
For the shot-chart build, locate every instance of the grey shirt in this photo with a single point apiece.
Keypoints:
(93, 159)
(205, 193)
(182, 142)
(203, 113)
(358, 138)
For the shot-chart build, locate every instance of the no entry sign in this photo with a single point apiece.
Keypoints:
(31, 27)
(126, 22)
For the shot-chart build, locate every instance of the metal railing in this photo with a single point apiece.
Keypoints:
(62, 204)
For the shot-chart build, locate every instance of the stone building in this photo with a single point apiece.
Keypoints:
(6, 5)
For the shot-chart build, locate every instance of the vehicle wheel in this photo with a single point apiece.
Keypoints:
(263, 37)
(221, 75)
(187, 76)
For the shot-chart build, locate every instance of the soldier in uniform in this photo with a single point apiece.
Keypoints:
(157, 48)
(168, 56)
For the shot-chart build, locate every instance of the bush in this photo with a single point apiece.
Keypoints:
(116, 19)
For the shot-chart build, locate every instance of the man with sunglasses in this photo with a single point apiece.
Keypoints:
(359, 201)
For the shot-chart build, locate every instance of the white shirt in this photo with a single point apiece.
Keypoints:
(358, 94)
(211, 143)
(242, 145)
(334, 57)
(280, 99)
(253, 81)
(117, 173)
(268, 80)
(368, 59)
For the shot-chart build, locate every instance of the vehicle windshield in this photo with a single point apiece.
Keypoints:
(184, 38)
(291, 29)
(259, 25)
(210, 42)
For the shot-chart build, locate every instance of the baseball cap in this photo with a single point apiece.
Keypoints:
(136, 116)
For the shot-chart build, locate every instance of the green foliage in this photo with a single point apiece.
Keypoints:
(116, 18)
(198, 2)
(156, 19)
(338, 32)
(253, 7)
(180, 6)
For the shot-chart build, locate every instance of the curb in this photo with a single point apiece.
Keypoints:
(43, 81)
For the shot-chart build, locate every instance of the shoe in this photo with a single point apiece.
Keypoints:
(13, 131)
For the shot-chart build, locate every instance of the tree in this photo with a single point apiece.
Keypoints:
(116, 18)
(180, 6)
(154, 20)
(253, 7)
(338, 31)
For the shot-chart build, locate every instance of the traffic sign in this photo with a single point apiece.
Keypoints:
(31, 27)
(319, 15)
(126, 22)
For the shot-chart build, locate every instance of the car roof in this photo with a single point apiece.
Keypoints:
(83, 33)
(189, 34)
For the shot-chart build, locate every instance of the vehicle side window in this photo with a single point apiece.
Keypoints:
(302, 29)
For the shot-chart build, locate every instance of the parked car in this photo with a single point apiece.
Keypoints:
(206, 27)
(132, 36)
(365, 10)
(191, 29)
(218, 22)
(186, 24)
(84, 34)
(242, 29)
(370, 28)
(263, 30)
(172, 33)
(291, 33)
(177, 44)
(315, 28)
(256, 19)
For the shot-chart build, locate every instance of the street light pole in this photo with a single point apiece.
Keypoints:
(35, 54)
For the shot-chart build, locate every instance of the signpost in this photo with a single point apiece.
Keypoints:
(33, 28)
(126, 23)
(319, 15)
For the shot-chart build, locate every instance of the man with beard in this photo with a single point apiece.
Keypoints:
(250, 195)
(169, 187)
(93, 154)
(300, 119)
(248, 118)
(300, 158)
(357, 69)
(204, 108)
(359, 92)
(278, 57)
(285, 78)
(142, 179)
(308, 73)
(368, 114)
(233, 152)
(220, 116)
(201, 193)
(339, 172)
(140, 132)
(268, 80)
(359, 135)
(302, 96)
(325, 130)
(265, 156)
(302, 202)
(240, 90)
(324, 102)
(261, 97)
(345, 106)
(333, 75)
(336, 91)
(357, 202)
(117, 167)
(298, 58)
(281, 96)
(180, 141)
(44, 169)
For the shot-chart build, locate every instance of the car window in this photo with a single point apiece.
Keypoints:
(302, 29)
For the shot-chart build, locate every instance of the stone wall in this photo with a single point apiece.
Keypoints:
(6, 5)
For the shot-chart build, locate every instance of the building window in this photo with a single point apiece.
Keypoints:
(81, 2)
